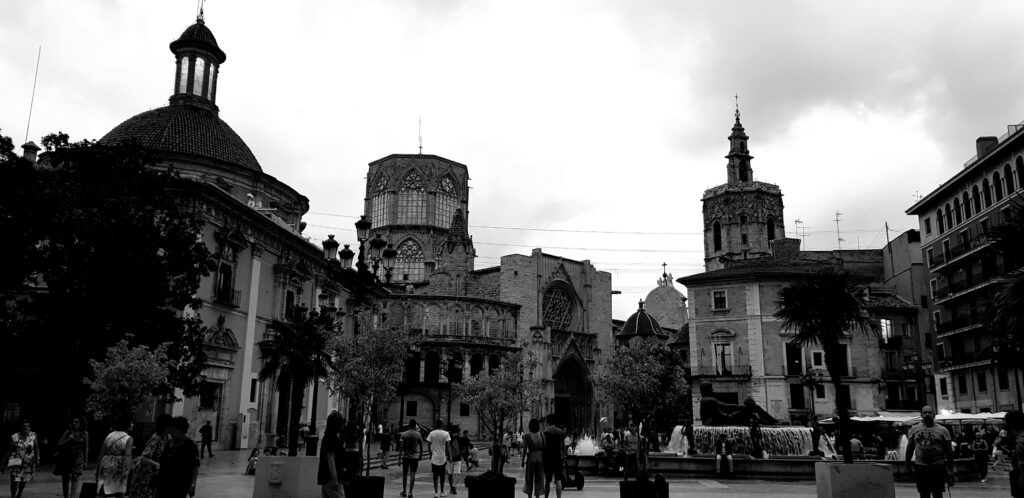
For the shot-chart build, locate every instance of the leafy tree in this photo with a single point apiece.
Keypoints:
(99, 246)
(647, 380)
(368, 367)
(296, 353)
(1009, 299)
(127, 379)
(823, 309)
(501, 395)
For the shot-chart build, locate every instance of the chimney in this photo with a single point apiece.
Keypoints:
(985, 144)
(785, 248)
(29, 151)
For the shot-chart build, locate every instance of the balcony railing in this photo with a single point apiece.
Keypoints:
(893, 343)
(902, 373)
(967, 246)
(936, 259)
(716, 371)
(229, 297)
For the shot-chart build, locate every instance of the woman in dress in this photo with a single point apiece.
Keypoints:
(21, 458)
(533, 447)
(72, 453)
(114, 461)
(143, 483)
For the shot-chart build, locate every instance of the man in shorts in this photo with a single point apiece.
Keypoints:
(438, 442)
(455, 463)
(929, 455)
(412, 448)
(554, 455)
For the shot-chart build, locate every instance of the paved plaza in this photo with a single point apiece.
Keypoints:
(222, 477)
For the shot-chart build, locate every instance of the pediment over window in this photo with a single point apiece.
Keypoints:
(221, 337)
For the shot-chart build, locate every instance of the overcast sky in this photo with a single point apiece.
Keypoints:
(573, 116)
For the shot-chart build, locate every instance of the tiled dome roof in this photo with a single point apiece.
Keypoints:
(198, 35)
(185, 129)
(641, 324)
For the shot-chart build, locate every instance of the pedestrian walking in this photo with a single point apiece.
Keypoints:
(455, 461)
(22, 458)
(554, 456)
(533, 449)
(206, 438)
(1014, 421)
(723, 451)
(469, 453)
(385, 448)
(328, 474)
(72, 453)
(1003, 448)
(114, 460)
(438, 443)
(179, 463)
(929, 453)
(143, 482)
(412, 450)
(980, 449)
(630, 451)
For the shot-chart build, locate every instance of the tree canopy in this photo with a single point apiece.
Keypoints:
(647, 380)
(501, 395)
(99, 246)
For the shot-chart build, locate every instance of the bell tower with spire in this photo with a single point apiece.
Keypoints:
(742, 216)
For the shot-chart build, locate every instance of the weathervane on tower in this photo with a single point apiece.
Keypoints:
(737, 96)
(199, 16)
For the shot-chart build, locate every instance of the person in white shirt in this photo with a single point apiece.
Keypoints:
(438, 440)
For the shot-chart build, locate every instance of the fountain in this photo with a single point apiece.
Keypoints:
(677, 442)
(585, 446)
(776, 441)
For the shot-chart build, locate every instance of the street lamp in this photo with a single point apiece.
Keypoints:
(389, 256)
(346, 256)
(330, 248)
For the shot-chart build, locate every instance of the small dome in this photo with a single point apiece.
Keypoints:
(667, 305)
(188, 130)
(198, 36)
(641, 324)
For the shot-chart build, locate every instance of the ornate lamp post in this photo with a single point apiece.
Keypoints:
(388, 260)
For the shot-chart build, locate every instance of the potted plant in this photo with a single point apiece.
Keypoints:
(646, 380)
(367, 369)
(499, 396)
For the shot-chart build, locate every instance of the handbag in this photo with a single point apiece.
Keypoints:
(88, 490)
(14, 462)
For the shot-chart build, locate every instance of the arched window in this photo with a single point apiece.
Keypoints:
(211, 69)
(447, 202)
(412, 369)
(409, 262)
(493, 363)
(997, 182)
(744, 237)
(432, 368)
(432, 320)
(380, 202)
(476, 364)
(949, 216)
(455, 368)
(457, 323)
(476, 320)
(1020, 172)
(770, 224)
(197, 82)
(183, 74)
(967, 207)
(1008, 177)
(412, 200)
(986, 192)
(956, 211)
(976, 197)
(942, 224)
(716, 235)
(559, 306)
(495, 322)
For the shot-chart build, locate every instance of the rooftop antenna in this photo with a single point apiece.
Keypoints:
(421, 134)
(801, 231)
(737, 96)
(839, 238)
(32, 101)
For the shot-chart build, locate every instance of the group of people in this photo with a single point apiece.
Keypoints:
(626, 449)
(167, 467)
(930, 453)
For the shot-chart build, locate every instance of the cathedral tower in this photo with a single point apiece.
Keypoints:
(420, 204)
(743, 216)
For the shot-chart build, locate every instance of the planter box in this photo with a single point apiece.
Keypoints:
(854, 480)
(490, 487)
(286, 477)
(643, 489)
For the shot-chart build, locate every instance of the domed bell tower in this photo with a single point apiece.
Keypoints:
(198, 63)
(743, 216)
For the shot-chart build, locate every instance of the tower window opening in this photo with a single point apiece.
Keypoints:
(716, 235)
(409, 262)
(770, 224)
(211, 74)
(380, 201)
(447, 203)
(197, 83)
(183, 74)
(412, 200)
(559, 307)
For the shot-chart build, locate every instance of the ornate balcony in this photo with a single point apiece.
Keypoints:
(717, 371)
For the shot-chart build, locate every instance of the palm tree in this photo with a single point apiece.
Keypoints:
(823, 309)
(296, 353)
(1008, 308)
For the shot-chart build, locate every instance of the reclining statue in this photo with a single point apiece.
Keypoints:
(715, 412)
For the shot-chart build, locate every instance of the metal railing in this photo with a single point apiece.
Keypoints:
(902, 373)
(229, 297)
(716, 371)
